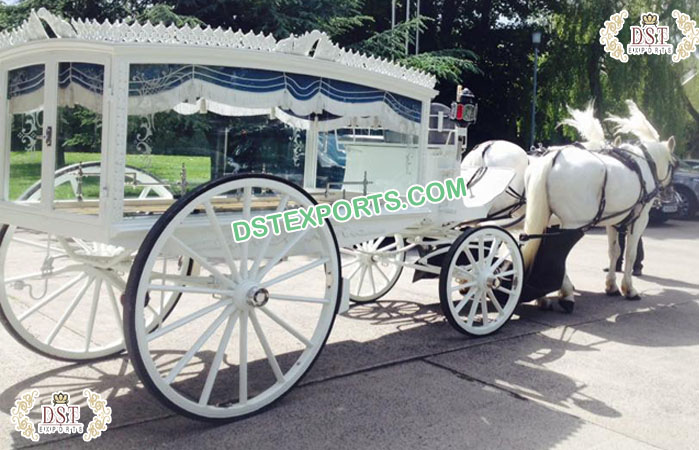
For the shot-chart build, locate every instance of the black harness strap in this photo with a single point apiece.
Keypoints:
(630, 160)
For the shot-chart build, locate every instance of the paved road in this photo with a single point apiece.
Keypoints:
(614, 374)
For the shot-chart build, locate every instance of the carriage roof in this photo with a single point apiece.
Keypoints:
(368, 90)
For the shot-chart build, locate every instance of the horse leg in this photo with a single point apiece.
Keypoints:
(630, 258)
(614, 252)
(566, 298)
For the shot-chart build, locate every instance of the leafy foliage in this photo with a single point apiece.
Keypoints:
(483, 44)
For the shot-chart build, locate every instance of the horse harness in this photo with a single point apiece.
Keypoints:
(631, 161)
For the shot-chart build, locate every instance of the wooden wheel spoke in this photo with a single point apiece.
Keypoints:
(472, 311)
(265, 244)
(216, 363)
(52, 297)
(293, 273)
(464, 301)
(463, 286)
(273, 262)
(216, 227)
(271, 359)
(494, 248)
(69, 311)
(202, 261)
(381, 272)
(187, 319)
(494, 301)
(243, 359)
(282, 323)
(377, 242)
(247, 200)
(507, 273)
(355, 271)
(93, 314)
(198, 344)
(484, 308)
(115, 306)
(370, 269)
(296, 298)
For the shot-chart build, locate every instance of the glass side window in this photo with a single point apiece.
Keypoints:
(79, 136)
(177, 139)
(25, 94)
(374, 159)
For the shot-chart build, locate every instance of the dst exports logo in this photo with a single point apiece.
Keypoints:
(60, 416)
(650, 37)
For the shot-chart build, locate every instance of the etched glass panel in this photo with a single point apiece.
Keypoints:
(79, 137)
(25, 94)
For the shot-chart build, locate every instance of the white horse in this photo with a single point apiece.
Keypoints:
(505, 154)
(502, 154)
(583, 187)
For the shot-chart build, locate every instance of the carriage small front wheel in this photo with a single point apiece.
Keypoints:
(481, 280)
(373, 267)
(253, 317)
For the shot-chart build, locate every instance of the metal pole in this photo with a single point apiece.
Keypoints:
(407, 19)
(393, 14)
(417, 30)
(536, 64)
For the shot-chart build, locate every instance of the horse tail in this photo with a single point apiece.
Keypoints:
(538, 210)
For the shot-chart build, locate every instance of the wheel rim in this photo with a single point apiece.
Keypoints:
(483, 281)
(67, 306)
(256, 334)
(373, 267)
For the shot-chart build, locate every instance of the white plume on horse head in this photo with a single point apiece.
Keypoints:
(661, 151)
(587, 125)
(635, 124)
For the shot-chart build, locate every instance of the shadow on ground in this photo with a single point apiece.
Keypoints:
(342, 387)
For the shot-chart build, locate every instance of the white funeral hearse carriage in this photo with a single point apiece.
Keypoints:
(121, 175)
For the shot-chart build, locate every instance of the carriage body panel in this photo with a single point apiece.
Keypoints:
(116, 51)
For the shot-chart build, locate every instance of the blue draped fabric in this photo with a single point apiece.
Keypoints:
(25, 80)
(89, 76)
(153, 79)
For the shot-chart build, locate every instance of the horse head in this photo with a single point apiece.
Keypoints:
(661, 152)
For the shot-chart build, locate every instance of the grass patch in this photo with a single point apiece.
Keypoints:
(25, 170)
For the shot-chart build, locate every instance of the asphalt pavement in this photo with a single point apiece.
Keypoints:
(614, 374)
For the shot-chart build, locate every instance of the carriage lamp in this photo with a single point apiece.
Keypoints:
(465, 108)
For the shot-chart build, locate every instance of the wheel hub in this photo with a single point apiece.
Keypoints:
(258, 297)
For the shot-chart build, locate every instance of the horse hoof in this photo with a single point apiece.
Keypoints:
(634, 297)
(544, 304)
(614, 293)
(567, 305)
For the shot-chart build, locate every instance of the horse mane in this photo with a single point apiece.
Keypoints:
(635, 124)
(586, 124)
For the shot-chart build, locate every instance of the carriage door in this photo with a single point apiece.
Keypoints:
(25, 127)
(54, 132)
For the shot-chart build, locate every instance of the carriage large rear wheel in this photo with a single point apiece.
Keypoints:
(254, 317)
(481, 280)
(60, 296)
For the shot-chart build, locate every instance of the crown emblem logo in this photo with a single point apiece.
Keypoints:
(60, 398)
(649, 19)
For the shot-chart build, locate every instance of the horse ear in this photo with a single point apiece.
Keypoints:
(671, 144)
(617, 141)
